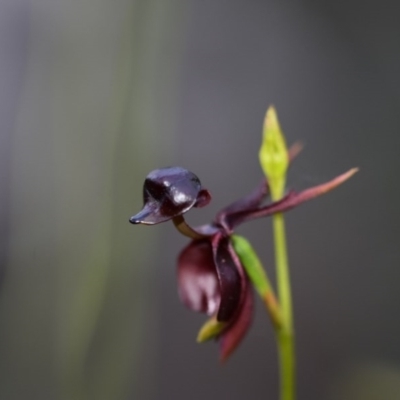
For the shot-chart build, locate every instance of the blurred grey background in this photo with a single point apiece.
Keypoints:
(95, 94)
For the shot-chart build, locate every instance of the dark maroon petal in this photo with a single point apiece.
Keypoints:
(198, 283)
(251, 201)
(291, 200)
(235, 332)
(237, 218)
(231, 278)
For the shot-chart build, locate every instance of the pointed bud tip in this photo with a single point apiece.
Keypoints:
(273, 154)
(210, 330)
(271, 118)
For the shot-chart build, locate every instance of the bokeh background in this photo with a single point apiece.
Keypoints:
(95, 94)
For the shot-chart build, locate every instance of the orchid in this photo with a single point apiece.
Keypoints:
(212, 277)
(218, 270)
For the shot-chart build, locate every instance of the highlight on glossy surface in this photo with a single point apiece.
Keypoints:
(168, 193)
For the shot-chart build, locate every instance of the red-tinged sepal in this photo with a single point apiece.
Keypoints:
(234, 333)
(290, 201)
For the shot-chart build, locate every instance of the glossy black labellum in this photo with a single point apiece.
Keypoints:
(168, 193)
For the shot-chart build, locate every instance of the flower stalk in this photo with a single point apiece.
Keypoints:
(185, 229)
(274, 160)
(285, 333)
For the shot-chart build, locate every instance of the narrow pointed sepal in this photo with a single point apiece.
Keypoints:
(210, 330)
(232, 336)
(251, 264)
(316, 191)
(291, 200)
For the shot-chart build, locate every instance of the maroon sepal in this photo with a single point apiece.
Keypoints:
(291, 200)
(231, 337)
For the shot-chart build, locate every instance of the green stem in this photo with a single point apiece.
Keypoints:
(287, 364)
(285, 334)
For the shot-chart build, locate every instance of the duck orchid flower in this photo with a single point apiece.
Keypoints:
(211, 277)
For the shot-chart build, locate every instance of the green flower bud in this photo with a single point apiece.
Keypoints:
(273, 155)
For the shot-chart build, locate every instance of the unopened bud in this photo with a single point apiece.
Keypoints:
(274, 158)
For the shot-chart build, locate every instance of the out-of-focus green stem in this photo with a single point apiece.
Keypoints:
(284, 333)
